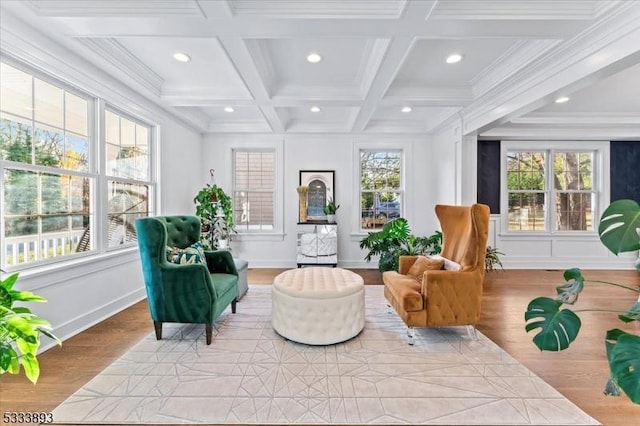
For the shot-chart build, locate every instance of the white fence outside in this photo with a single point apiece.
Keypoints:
(28, 248)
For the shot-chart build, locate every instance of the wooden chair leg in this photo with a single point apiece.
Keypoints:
(157, 325)
(233, 306)
(208, 332)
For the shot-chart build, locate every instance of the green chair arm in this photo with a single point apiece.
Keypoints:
(221, 262)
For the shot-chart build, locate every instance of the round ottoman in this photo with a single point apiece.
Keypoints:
(318, 306)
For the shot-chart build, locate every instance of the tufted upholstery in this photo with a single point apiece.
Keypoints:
(192, 293)
(318, 306)
(448, 297)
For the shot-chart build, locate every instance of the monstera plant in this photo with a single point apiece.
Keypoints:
(395, 240)
(620, 232)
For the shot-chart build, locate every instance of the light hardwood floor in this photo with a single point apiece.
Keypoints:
(579, 373)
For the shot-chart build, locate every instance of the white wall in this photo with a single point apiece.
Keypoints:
(85, 291)
(180, 176)
(324, 152)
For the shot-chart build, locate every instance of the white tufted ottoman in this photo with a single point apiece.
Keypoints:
(318, 306)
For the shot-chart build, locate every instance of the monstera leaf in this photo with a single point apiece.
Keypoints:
(558, 327)
(633, 314)
(620, 226)
(568, 292)
(623, 353)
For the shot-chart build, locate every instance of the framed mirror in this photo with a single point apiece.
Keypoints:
(321, 184)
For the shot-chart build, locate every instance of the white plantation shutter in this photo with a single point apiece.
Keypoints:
(253, 190)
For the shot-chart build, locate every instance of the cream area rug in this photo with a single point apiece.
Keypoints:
(251, 375)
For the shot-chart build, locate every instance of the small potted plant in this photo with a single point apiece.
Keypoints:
(330, 210)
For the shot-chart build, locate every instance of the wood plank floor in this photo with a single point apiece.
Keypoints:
(578, 373)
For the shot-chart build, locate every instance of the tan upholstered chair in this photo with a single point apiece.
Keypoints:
(445, 297)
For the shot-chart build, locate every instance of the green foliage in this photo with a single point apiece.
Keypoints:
(620, 226)
(492, 259)
(558, 328)
(20, 331)
(620, 232)
(395, 240)
(208, 200)
(331, 207)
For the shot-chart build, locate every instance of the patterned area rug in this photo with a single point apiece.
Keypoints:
(251, 375)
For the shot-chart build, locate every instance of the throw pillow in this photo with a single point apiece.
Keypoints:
(449, 264)
(186, 256)
(424, 263)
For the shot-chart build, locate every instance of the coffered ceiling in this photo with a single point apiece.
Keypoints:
(377, 57)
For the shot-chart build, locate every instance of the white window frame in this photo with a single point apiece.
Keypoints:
(406, 152)
(600, 183)
(95, 172)
(277, 146)
(273, 190)
(91, 173)
(105, 177)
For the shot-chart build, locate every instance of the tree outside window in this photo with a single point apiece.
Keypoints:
(550, 187)
(380, 187)
(44, 162)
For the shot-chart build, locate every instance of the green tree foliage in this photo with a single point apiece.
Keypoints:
(21, 186)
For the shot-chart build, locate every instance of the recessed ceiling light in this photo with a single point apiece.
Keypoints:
(454, 58)
(314, 109)
(314, 58)
(228, 109)
(181, 57)
(407, 109)
(562, 99)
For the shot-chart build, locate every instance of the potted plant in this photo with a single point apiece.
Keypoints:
(395, 239)
(619, 231)
(330, 210)
(492, 259)
(215, 210)
(20, 331)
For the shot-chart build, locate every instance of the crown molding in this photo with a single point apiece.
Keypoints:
(430, 95)
(118, 56)
(21, 41)
(319, 9)
(580, 118)
(565, 132)
(613, 39)
(502, 9)
(239, 126)
(521, 54)
(115, 8)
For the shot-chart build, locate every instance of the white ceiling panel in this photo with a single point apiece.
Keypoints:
(377, 55)
(209, 68)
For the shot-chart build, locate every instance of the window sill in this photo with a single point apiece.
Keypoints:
(39, 276)
(271, 236)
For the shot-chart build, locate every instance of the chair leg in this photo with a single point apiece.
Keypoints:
(471, 331)
(233, 306)
(411, 334)
(157, 325)
(208, 332)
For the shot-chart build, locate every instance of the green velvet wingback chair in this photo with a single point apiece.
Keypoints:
(187, 293)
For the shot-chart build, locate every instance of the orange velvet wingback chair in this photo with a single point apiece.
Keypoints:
(445, 297)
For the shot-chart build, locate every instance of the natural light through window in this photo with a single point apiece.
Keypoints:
(380, 187)
(254, 190)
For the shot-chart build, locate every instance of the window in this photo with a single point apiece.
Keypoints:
(254, 190)
(550, 190)
(45, 168)
(128, 176)
(380, 187)
(50, 182)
